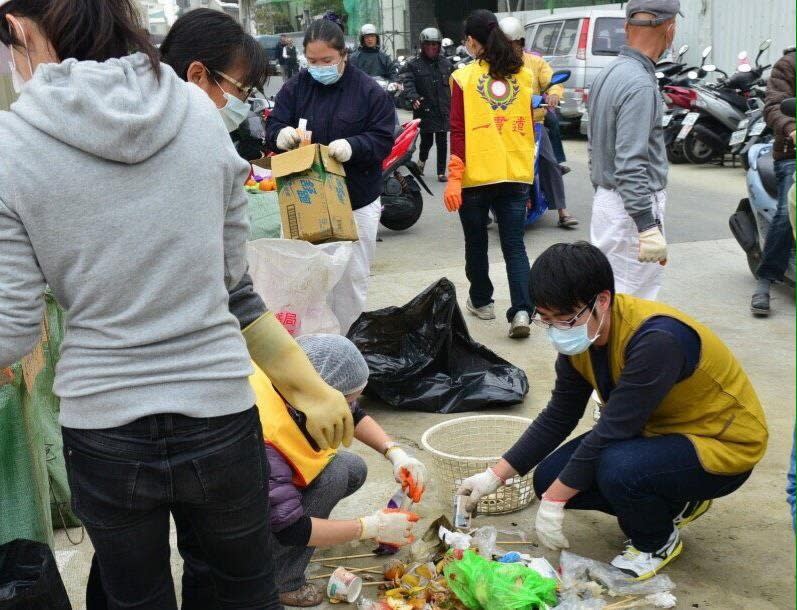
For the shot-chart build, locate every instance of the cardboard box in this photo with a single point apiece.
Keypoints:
(313, 198)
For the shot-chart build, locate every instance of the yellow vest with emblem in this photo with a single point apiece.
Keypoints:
(499, 129)
(283, 433)
(716, 407)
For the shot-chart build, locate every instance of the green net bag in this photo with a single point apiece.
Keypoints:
(486, 585)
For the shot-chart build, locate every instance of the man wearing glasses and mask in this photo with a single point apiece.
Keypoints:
(680, 423)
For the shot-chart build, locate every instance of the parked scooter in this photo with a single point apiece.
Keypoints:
(719, 109)
(402, 201)
(750, 222)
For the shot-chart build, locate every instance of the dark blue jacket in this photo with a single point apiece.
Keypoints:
(355, 108)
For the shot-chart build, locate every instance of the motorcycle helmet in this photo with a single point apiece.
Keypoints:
(368, 29)
(429, 35)
(447, 42)
(512, 27)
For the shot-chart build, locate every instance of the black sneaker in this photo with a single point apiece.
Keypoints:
(759, 305)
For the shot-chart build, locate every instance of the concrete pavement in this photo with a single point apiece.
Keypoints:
(740, 555)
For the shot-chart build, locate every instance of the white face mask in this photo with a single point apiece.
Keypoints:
(17, 82)
(234, 112)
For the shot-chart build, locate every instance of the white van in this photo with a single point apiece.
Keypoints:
(584, 42)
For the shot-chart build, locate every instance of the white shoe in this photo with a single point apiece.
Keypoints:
(642, 565)
(520, 326)
(486, 312)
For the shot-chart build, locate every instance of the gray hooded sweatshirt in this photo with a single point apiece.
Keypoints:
(124, 195)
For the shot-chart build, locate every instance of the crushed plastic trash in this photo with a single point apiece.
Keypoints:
(585, 579)
(456, 540)
(484, 540)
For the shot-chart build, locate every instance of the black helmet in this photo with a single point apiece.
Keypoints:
(430, 35)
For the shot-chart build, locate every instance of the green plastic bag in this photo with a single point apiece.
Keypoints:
(486, 585)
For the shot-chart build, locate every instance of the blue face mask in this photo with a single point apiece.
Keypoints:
(572, 341)
(326, 75)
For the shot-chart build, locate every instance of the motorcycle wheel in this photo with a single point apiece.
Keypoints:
(400, 212)
(696, 151)
(675, 153)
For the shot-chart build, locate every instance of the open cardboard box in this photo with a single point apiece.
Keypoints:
(313, 198)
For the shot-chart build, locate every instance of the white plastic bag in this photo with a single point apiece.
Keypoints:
(295, 277)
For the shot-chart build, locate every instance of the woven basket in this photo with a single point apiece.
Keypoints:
(468, 445)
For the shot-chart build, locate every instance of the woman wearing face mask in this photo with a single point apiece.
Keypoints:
(210, 49)
(680, 423)
(139, 248)
(492, 164)
(348, 111)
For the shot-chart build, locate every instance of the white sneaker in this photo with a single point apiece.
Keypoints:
(642, 565)
(486, 312)
(520, 326)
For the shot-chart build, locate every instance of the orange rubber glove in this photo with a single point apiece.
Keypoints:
(453, 194)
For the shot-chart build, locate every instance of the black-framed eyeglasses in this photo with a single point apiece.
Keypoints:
(567, 324)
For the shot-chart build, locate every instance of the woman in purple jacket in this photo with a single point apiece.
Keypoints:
(299, 517)
(349, 112)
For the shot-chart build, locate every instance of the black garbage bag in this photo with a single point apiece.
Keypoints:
(421, 357)
(29, 578)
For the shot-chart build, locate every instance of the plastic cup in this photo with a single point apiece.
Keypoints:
(344, 586)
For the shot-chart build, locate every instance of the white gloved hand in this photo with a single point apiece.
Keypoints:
(389, 526)
(478, 486)
(288, 138)
(550, 517)
(409, 472)
(652, 246)
(340, 150)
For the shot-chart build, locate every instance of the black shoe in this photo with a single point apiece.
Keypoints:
(442, 178)
(565, 168)
(759, 305)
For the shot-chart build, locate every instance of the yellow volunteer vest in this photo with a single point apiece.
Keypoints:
(716, 407)
(541, 73)
(499, 130)
(282, 433)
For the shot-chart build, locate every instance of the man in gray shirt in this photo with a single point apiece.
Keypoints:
(628, 159)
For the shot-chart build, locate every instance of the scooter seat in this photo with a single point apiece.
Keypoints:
(734, 99)
(766, 169)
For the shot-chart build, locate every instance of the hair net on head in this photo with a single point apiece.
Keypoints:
(337, 360)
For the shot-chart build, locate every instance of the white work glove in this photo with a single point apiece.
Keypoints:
(389, 526)
(288, 139)
(478, 486)
(652, 246)
(550, 517)
(408, 471)
(340, 150)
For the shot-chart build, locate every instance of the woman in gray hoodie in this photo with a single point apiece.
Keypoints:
(100, 199)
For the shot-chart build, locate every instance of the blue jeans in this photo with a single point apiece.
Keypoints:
(644, 482)
(508, 201)
(780, 239)
(209, 472)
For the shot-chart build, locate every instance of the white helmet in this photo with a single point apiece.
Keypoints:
(368, 28)
(512, 27)
(447, 42)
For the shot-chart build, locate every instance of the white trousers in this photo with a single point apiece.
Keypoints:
(615, 233)
(350, 293)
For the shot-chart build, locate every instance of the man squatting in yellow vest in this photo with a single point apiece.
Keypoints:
(680, 424)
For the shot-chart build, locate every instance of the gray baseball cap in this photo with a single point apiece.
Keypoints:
(663, 10)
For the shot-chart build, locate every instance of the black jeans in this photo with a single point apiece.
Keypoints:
(209, 472)
(508, 201)
(441, 139)
(555, 133)
(644, 482)
(780, 239)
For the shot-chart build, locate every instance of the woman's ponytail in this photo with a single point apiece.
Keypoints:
(499, 53)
